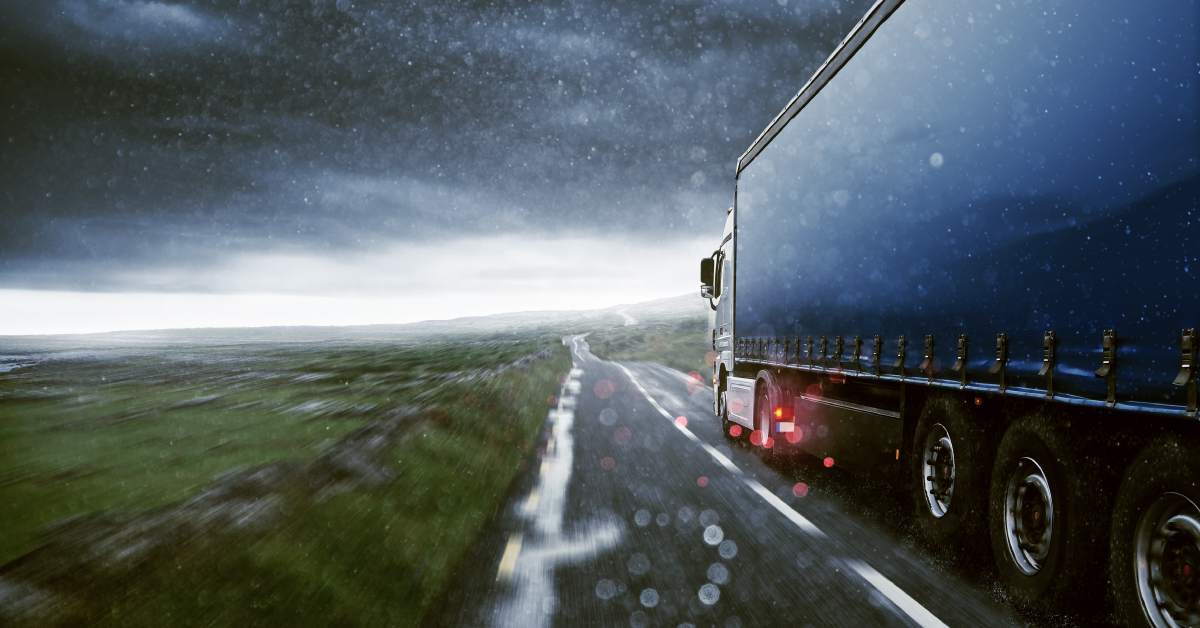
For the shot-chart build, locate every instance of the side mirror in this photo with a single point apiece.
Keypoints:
(707, 268)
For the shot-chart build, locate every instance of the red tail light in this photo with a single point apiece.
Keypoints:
(784, 413)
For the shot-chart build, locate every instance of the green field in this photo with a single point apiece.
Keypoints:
(124, 428)
(680, 343)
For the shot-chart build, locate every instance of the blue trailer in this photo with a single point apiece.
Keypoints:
(963, 260)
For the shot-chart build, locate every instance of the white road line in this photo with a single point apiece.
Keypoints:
(901, 599)
(787, 511)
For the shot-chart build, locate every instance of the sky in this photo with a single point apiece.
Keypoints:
(261, 162)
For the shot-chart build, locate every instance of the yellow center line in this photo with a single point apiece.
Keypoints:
(508, 562)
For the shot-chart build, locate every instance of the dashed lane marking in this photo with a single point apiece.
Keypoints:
(531, 503)
(509, 560)
(902, 600)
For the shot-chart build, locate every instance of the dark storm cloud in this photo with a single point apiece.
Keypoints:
(136, 132)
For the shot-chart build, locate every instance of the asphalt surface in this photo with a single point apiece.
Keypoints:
(634, 519)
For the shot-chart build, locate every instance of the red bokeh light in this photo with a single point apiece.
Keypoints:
(736, 405)
(681, 421)
(814, 392)
(622, 435)
(552, 400)
(756, 438)
(702, 481)
(800, 489)
(603, 389)
(735, 430)
(711, 358)
(769, 443)
(608, 463)
(694, 382)
(829, 462)
(794, 436)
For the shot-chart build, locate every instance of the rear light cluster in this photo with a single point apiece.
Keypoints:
(783, 413)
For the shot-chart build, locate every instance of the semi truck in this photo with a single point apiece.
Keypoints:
(962, 261)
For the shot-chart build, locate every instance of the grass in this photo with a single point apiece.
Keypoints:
(126, 429)
(678, 343)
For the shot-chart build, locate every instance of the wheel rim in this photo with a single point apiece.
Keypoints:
(1028, 516)
(938, 470)
(1166, 558)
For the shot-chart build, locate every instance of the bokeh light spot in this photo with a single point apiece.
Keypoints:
(794, 436)
(622, 435)
(829, 462)
(735, 430)
(552, 400)
(603, 389)
(702, 481)
(608, 463)
(768, 443)
(800, 489)
(711, 358)
(756, 438)
(736, 405)
(681, 421)
(814, 392)
(695, 383)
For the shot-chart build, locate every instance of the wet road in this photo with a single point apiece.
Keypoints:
(638, 518)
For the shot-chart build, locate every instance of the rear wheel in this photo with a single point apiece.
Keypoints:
(951, 463)
(1047, 511)
(1156, 539)
(766, 397)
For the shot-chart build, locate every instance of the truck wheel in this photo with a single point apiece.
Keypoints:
(723, 412)
(951, 462)
(1045, 540)
(767, 395)
(1156, 539)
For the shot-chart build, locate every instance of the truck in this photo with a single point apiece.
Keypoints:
(962, 261)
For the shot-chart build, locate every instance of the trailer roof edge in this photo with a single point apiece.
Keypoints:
(875, 16)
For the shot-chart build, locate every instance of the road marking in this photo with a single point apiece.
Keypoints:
(901, 599)
(509, 560)
(898, 597)
(787, 511)
(550, 446)
(531, 504)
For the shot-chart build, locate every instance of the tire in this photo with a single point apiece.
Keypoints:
(723, 412)
(1036, 474)
(1156, 538)
(952, 448)
(767, 396)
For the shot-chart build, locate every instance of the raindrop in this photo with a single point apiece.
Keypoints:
(638, 564)
(709, 518)
(608, 416)
(343, 5)
(685, 514)
(718, 573)
(713, 535)
(728, 550)
(733, 622)
(663, 519)
(642, 518)
(936, 160)
(639, 620)
(649, 598)
(709, 594)
(605, 589)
